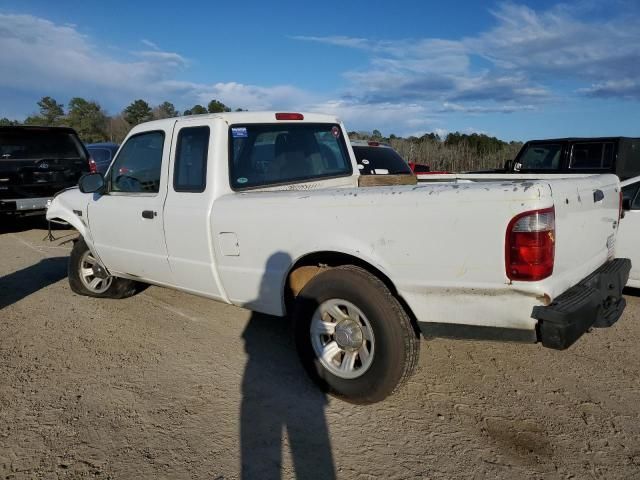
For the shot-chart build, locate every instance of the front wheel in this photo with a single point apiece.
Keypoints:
(353, 336)
(87, 277)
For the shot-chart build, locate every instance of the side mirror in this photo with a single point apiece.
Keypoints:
(508, 165)
(93, 182)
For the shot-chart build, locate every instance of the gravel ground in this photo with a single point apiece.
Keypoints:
(168, 385)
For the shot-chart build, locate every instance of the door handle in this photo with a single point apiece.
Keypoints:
(149, 214)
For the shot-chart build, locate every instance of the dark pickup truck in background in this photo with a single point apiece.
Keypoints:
(619, 155)
(35, 163)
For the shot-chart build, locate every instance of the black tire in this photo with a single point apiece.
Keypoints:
(119, 288)
(396, 348)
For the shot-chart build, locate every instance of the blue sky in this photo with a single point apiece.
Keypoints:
(516, 70)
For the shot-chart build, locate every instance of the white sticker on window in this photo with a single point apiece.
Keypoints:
(381, 171)
(365, 161)
(360, 166)
(239, 132)
(242, 180)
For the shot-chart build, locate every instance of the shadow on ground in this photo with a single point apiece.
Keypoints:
(275, 401)
(18, 285)
(633, 292)
(11, 224)
(278, 401)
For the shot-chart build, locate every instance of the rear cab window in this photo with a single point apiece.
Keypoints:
(592, 155)
(540, 156)
(275, 154)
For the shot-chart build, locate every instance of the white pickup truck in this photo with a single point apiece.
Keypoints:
(267, 211)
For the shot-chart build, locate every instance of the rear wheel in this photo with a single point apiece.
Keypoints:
(87, 277)
(354, 338)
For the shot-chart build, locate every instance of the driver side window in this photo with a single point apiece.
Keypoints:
(138, 165)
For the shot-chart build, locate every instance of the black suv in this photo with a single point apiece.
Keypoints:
(35, 163)
(619, 155)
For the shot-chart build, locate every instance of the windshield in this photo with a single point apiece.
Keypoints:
(34, 144)
(380, 161)
(270, 154)
(540, 156)
(100, 155)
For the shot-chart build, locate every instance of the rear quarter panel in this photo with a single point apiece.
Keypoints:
(437, 242)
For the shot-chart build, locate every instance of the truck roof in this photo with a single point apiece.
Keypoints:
(241, 117)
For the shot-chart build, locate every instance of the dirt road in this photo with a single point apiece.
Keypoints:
(167, 385)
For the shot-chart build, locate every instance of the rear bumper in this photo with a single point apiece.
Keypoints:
(23, 205)
(596, 301)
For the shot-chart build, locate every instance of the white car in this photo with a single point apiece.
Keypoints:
(268, 211)
(629, 233)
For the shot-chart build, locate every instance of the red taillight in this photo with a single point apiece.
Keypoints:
(530, 245)
(289, 116)
(93, 168)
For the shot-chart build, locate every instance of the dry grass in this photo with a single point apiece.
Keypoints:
(453, 158)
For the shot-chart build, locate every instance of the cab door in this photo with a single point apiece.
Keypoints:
(126, 222)
(187, 210)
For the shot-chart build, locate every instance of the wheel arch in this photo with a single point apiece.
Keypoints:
(310, 264)
(59, 211)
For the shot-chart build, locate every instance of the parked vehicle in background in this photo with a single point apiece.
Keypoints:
(629, 233)
(375, 158)
(101, 155)
(619, 155)
(420, 168)
(269, 211)
(422, 171)
(35, 163)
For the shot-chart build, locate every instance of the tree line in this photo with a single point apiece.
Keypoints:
(455, 152)
(93, 124)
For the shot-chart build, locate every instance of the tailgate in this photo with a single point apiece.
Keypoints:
(587, 212)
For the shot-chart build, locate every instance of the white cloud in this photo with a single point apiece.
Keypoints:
(59, 60)
(557, 42)
(524, 54)
(388, 117)
(480, 109)
(38, 55)
(626, 88)
(338, 40)
(409, 85)
(252, 97)
(441, 132)
(150, 44)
